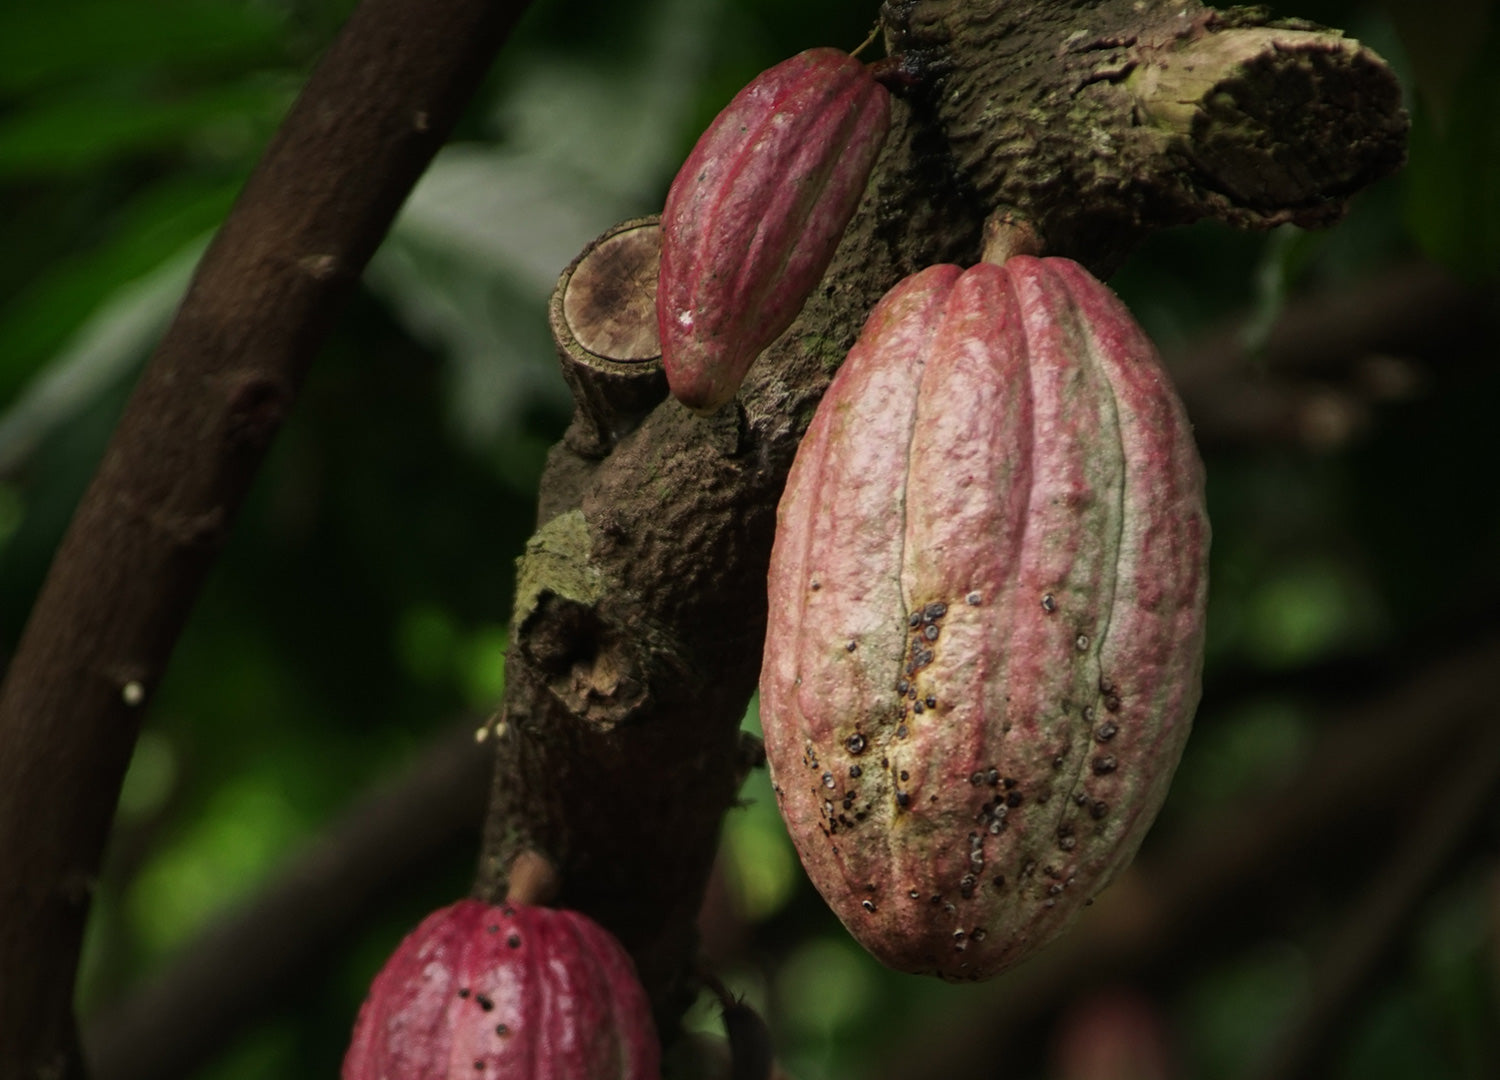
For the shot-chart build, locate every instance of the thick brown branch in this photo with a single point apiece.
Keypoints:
(1098, 122)
(371, 117)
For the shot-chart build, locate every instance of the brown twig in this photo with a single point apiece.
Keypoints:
(175, 1023)
(1332, 358)
(160, 506)
(1389, 904)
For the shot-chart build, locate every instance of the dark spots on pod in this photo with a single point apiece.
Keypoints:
(1111, 695)
(1065, 838)
(868, 905)
(959, 944)
(923, 658)
(900, 731)
(1028, 868)
(1010, 782)
(1049, 605)
(917, 709)
(1054, 889)
(483, 1002)
(479, 1065)
(815, 585)
(974, 599)
(507, 911)
(998, 881)
(1081, 643)
(979, 933)
(514, 941)
(931, 701)
(905, 775)
(976, 778)
(869, 886)
(828, 779)
(855, 772)
(493, 928)
(1014, 799)
(913, 894)
(1104, 764)
(1106, 731)
(851, 645)
(1080, 798)
(1057, 761)
(502, 1030)
(903, 799)
(855, 744)
(463, 991)
(902, 686)
(930, 632)
(1098, 809)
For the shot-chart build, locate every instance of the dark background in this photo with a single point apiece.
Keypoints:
(359, 612)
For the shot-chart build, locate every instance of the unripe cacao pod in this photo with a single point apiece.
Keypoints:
(754, 215)
(508, 993)
(986, 614)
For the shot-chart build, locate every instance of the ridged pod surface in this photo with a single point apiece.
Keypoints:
(508, 993)
(986, 614)
(753, 217)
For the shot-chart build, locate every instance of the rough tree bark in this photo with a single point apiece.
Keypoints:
(160, 506)
(641, 609)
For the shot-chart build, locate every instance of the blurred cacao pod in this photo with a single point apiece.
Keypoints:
(754, 215)
(986, 614)
(508, 993)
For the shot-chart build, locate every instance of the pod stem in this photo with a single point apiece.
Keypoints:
(1005, 235)
(533, 881)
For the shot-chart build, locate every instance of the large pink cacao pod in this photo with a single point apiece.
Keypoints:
(986, 614)
(754, 215)
(506, 993)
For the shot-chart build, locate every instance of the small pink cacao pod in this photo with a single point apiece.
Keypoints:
(754, 215)
(508, 993)
(986, 614)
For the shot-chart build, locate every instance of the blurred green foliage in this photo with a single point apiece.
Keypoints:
(361, 605)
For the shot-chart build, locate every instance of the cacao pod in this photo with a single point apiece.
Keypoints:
(510, 993)
(753, 217)
(986, 617)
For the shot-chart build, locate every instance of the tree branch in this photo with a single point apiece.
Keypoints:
(641, 610)
(178, 1021)
(197, 426)
(1388, 906)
